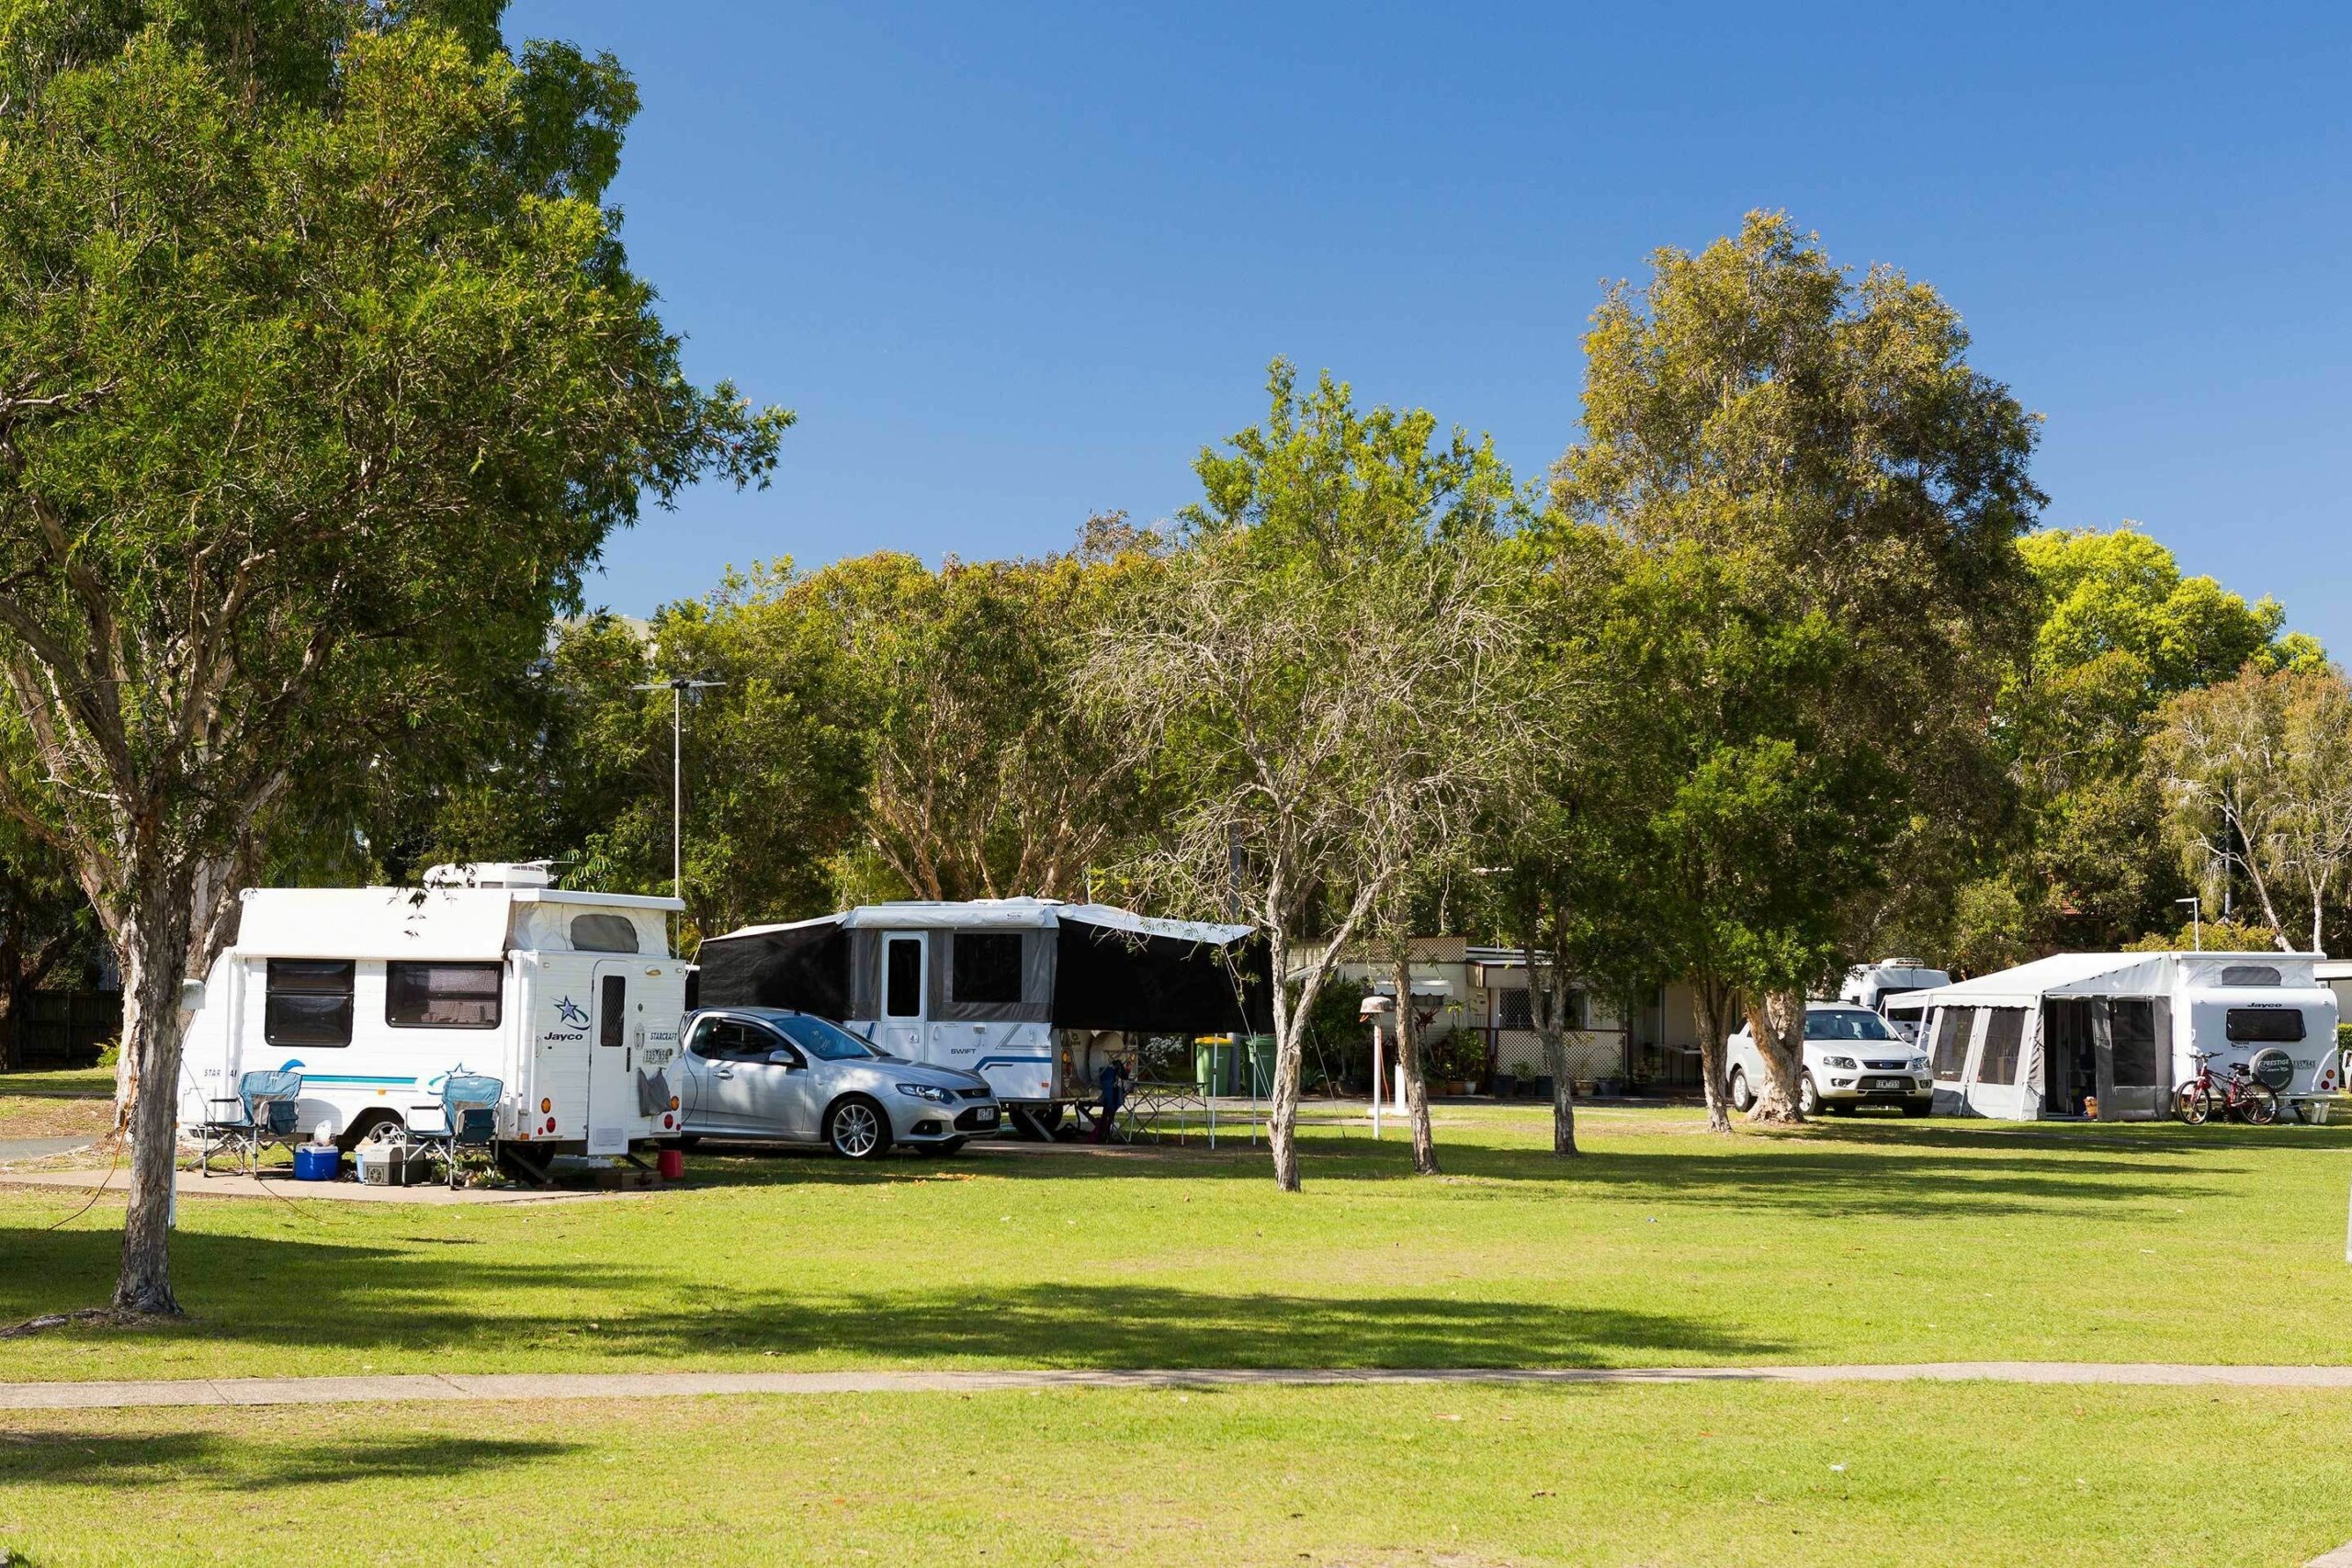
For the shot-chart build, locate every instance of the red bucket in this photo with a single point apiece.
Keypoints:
(672, 1163)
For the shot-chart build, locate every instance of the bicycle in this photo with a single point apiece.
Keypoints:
(2241, 1094)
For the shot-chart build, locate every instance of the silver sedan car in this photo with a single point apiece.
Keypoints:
(780, 1076)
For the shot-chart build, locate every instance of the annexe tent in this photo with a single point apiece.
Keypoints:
(2121, 1029)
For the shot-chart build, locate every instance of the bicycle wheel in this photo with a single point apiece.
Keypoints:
(2258, 1103)
(2196, 1104)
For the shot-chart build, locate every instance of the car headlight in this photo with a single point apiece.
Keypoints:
(1844, 1062)
(1918, 1064)
(931, 1092)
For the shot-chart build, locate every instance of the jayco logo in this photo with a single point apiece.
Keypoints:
(570, 1012)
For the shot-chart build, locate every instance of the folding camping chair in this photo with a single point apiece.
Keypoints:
(263, 1111)
(469, 1121)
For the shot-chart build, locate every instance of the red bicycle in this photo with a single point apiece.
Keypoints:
(2241, 1094)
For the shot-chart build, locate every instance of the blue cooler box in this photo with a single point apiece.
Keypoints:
(312, 1162)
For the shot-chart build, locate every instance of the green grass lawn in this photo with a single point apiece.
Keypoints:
(1472, 1478)
(1861, 1240)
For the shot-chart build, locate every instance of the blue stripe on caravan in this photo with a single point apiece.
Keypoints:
(348, 1078)
(1000, 1061)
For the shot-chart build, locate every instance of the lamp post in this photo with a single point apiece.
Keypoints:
(678, 686)
(2196, 922)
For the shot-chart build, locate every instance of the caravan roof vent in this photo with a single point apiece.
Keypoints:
(1901, 963)
(490, 874)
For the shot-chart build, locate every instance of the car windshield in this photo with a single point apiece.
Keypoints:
(1846, 1023)
(823, 1040)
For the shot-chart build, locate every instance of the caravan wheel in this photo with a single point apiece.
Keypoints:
(372, 1127)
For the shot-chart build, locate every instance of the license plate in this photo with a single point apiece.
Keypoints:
(987, 1117)
(1885, 1084)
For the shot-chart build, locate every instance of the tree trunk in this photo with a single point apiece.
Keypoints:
(1777, 1022)
(1547, 1004)
(11, 1006)
(1714, 1000)
(1289, 1018)
(1417, 1083)
(152, 945)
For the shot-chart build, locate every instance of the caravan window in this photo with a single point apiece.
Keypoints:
(988, 966)
(441, 996)
(902, 978)
(2249, 975)
(307, 1003)
(604, 933)
(2004, 1033)
(1952, 1028)
(2276, 1026)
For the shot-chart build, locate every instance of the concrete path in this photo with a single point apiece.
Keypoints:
(38, 1148)
(449, 1386)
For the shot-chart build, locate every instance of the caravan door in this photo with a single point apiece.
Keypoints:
(612, 1059)
(906, 977)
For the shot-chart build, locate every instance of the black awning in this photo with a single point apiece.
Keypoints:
(1107, 977)
(804, 967)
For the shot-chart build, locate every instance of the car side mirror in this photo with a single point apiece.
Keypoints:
(781, 1059)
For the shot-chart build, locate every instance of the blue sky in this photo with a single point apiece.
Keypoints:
(1015, 264)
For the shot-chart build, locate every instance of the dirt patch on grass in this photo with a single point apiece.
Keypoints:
(54, 1116)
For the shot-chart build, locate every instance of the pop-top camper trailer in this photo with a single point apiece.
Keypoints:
(1022, 991)
(1891, 987)
(375, 995)
(2123, 1029)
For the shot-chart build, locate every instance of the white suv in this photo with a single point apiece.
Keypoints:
(1851, 1058)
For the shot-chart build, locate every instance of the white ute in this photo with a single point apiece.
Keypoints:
(1851, 1058)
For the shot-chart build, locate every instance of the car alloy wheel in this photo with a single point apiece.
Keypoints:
(856, 1130)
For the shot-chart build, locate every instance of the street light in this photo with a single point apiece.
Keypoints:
(2196, 922)
(678, 686)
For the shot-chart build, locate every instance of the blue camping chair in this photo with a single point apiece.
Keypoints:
(263, 1111)
(469, 1121)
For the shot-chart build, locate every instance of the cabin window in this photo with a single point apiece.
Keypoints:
(1954, 1026)
(2268, 1026)
(441, 996)
(604, 933)
(2249, 975)
(307, 1003)
(987, 968)
(1515, 1008)
(611, 1009)
(2004, 1033)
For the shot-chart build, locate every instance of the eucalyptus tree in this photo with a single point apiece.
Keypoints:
(2256, 775)
(1311, 682)
(323, 377)
(1824, 443)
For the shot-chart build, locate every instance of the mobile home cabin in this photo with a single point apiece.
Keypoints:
(377, 994)
(1025, 992)
(2122, 1030)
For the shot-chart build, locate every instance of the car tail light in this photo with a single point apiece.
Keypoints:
(551, 1124)
(665, 1119)
(546, 1106)
(673, 1102)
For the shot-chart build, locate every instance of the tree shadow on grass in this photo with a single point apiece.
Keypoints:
(219, 1462)
(472, 1313)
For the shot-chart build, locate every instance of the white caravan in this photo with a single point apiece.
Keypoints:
(377, 994)
(2046, 1038)
(1889, 987)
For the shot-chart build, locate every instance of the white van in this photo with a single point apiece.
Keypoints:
(377, 994)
